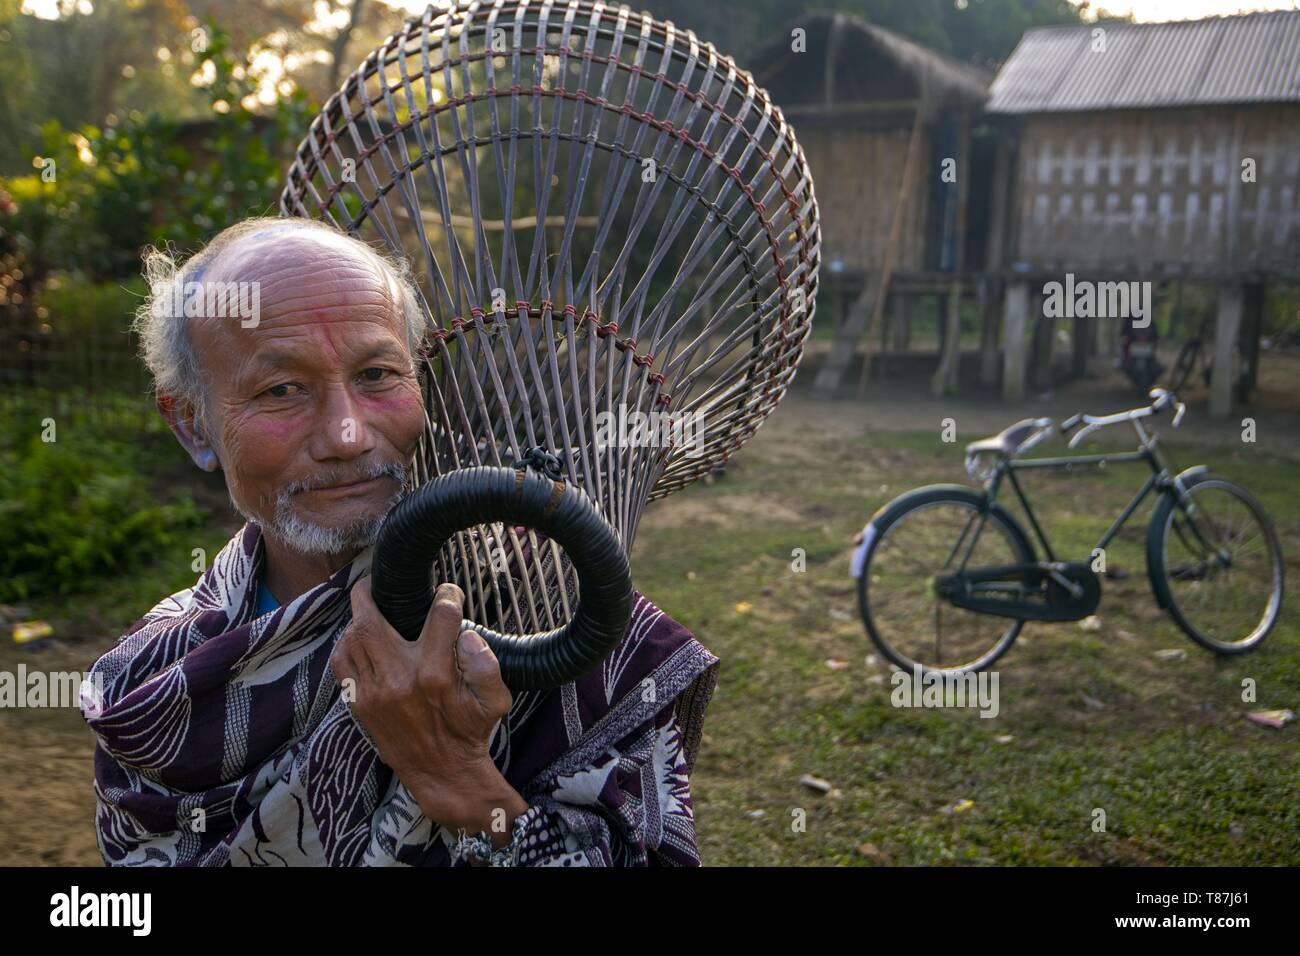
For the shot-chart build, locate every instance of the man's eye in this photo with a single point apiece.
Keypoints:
(375, 374)
(280, 391)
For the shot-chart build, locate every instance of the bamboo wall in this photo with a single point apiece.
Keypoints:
(1159, 191)
(857, 174)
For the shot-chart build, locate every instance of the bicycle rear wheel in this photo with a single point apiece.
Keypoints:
(909, 542)
(1216, 564)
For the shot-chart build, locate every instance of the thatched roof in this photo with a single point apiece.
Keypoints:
(849, 61)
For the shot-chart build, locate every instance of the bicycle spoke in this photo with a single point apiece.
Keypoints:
(1220, 566)
(906, 611)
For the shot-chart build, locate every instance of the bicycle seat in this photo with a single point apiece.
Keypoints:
(1005, 442)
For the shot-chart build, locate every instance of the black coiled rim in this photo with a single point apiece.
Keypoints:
(416, 530)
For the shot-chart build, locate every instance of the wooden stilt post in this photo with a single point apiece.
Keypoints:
(902, 319)
(1227, 327)
(1044, 345)
(1015, 319)
(989, 359)
(944, 381)
(1252, 329)
(1079, 346)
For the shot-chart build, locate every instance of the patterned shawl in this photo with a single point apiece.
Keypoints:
(223, 739)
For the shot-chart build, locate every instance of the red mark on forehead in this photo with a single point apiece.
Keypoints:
(328, 332)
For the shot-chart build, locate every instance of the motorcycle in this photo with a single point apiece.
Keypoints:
(1137, 357)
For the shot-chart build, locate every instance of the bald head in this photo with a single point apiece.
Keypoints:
(181, 294)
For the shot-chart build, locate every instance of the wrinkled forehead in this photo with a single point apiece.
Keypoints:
(291, 253)
(295, 277)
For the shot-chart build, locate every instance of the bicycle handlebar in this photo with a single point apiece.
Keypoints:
(1045, 428)
(1160, 400)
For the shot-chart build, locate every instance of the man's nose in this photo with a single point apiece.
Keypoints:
(341, 431)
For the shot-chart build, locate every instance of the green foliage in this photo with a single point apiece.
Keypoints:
(75, 305)
(76, 507)
(149, 179)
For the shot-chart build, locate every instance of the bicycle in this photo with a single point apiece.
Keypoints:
(954, 558)
(1193, 354)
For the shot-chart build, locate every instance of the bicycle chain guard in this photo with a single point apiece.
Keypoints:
(1037, 591)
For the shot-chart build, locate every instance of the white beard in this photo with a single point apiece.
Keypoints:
(306, 537)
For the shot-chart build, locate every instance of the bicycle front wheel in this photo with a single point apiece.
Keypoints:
(910, 541)
(1216, 564)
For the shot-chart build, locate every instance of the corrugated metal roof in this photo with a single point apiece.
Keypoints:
(1242, 59)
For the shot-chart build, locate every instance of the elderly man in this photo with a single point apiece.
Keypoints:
(225, 735)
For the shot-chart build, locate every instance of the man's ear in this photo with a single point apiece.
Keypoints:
(180, 418)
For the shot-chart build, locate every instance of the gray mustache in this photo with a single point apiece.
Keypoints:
(398, 472)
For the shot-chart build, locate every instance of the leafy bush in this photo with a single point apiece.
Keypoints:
(78, 507)
(149, 179)
(76, 305)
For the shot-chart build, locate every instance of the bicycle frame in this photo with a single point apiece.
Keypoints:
(1160, 482)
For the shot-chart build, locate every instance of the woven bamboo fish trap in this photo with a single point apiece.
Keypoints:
(616, 240)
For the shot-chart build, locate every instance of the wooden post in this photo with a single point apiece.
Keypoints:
(1044, 345)
(847, 331)
(885, 330)
(1252, 329)
(1227, 327)
(1079, 346)
(944, 380)
(1108, 337)
(940, 321)
(1177, 324)
(1003, 171)
(1015, 319)
(989, 332)
(902, 319)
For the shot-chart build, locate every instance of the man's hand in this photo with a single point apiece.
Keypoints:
(430, 707)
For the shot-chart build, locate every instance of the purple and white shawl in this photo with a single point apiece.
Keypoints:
(223, 739)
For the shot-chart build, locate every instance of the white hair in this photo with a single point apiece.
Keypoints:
(164, 339)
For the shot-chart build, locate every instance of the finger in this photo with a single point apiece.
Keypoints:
(369, 631)
(482, 673)
(352, 653)
(342, 662)
(438, 636)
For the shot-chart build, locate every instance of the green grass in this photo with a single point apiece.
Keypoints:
(1182, 777)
